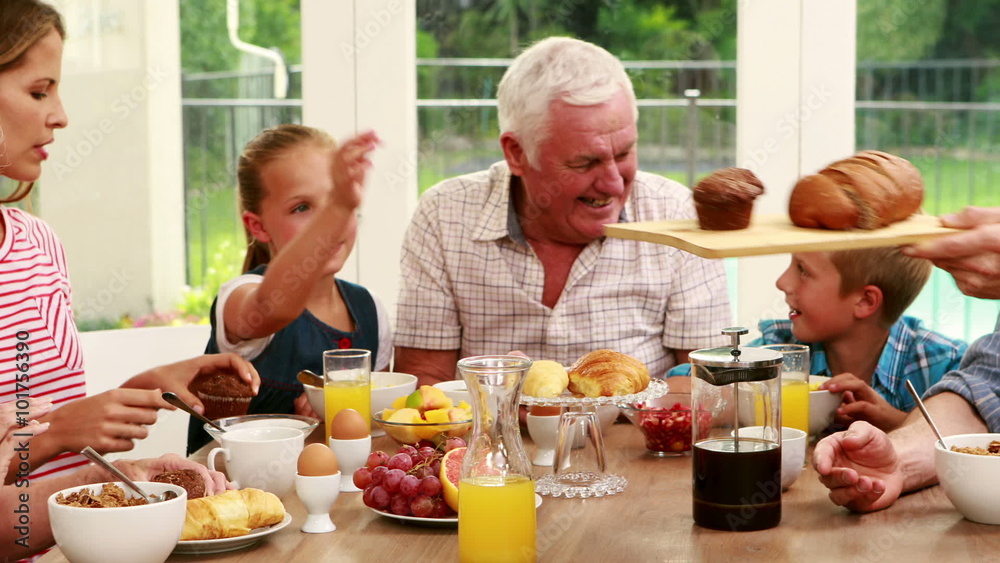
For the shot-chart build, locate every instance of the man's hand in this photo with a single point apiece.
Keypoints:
(860, 467)
(861, 402)
(146, 469)
(972, 257)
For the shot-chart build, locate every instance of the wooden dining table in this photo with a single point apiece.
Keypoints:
(650, 521)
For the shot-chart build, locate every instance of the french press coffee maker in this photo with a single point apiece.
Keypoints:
(736, 395)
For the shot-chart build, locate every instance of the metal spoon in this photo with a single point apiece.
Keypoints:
(923, 411)
(176, 401)
(97, 458)
(309, 378)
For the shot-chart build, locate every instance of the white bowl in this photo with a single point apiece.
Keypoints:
(304, 423)
(822, 406)
(972, 482)
(456, 390)
(387, 386)
(793, 451)
(130, 534)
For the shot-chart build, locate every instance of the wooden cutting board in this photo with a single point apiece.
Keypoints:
(774, 234)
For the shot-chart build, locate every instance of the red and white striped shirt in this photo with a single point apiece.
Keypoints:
(35, 310)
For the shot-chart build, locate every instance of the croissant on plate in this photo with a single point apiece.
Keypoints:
(869, 190)
(545, 378)
(606, 373)
(231, 514)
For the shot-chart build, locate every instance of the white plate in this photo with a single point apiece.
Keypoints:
(434, 522)
(194, 547)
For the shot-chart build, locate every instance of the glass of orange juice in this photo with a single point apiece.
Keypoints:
(794, 384)
(347, 383)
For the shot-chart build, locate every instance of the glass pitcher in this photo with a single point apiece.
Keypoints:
(496, 501)
(736, 458)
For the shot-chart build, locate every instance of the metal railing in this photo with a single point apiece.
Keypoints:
(947, 133)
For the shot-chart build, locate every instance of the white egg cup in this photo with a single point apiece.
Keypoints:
(352, 455)
(543, 431)
(318, 493)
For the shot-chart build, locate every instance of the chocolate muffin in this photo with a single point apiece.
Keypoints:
(188, 479)
(224, 394)
(724, 200)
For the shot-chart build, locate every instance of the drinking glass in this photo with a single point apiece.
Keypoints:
(347, 383)
(794, 384)
(580, 471)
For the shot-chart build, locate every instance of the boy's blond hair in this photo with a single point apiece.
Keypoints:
(900, 277)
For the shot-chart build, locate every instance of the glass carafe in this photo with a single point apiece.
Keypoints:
(736, 458)
(496, 500)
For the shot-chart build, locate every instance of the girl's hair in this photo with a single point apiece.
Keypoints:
(900, 277)
(268, 146)
(22, 24)
(557, 68)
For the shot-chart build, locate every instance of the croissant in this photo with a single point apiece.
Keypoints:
(869, 190)
(546, 379)
(231, 514)
(605, 373)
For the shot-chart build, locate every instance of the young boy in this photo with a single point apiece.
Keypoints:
(848, 306)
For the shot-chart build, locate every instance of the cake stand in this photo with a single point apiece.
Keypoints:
(588, 484)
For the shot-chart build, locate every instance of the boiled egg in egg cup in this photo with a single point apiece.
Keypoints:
(351, 442)
(318, 485)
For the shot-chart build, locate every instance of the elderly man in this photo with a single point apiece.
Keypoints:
(867, 469)
(514, 257)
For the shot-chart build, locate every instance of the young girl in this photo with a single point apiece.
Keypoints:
(299, 194)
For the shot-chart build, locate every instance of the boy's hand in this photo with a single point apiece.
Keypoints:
(861, 402)
(350, 167)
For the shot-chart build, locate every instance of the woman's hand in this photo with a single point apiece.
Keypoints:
(971, 257)
(177, 377)
(146, 469)
(19, 417)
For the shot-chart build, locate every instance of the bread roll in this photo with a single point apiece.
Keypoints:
(545, 379)
(231, 514)
(869, 190)
(606, 373)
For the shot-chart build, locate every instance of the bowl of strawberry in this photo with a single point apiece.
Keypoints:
(665, 422)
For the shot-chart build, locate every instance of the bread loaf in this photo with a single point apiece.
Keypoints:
(231, 514)
(606, 373)
(869, 190)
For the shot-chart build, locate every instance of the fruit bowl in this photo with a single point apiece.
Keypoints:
(422, 433)
(665, 423)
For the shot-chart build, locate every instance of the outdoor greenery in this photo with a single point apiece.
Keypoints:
(955, 150)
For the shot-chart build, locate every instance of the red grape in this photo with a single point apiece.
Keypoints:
(422, 506)
(367, 496)
(362, 477)
(380, 497)
(376, 459)
(409, 486)
(378, 474)
(452, 443)
(427, 452)
(430, 486)
(441, 509)
(400, 504)
(423, 471)
(436, 467)
(392, 479)
(408, 450)
(401, 461)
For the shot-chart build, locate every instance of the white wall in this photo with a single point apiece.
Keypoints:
(795, 76)
(359, 61)
(113, 186)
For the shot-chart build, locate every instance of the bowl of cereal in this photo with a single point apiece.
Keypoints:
(968, 471)
(105, 523)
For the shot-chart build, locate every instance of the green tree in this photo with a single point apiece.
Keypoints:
(899, 30)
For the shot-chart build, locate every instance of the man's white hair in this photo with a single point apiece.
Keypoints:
(556, 68)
